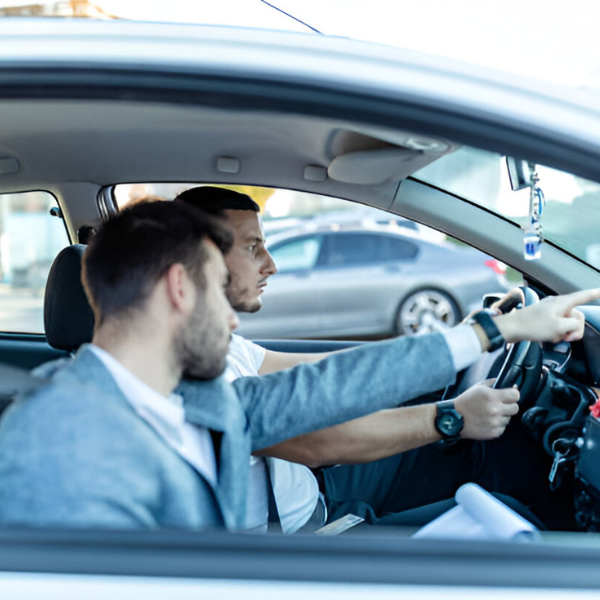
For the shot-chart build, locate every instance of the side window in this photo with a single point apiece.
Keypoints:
(30, 238)
(395, 248)
(345, 249)
(296, 255)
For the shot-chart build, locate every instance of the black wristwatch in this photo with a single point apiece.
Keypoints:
(485, 321)
(448, 421)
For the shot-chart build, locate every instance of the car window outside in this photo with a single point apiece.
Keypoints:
(30, 238)
(358, 248)
(327, 284)
(294, 256)
(352, 249)
(398, 249)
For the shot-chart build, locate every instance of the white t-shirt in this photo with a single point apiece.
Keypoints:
(294, 486)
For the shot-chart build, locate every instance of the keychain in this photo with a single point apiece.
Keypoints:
(533, 232)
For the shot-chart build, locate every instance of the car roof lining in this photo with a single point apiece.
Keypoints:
(111, 142)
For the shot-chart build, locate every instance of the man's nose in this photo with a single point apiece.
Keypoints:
(269, 267)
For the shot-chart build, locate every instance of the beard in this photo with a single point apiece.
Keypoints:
(238, 299)
(202, 344)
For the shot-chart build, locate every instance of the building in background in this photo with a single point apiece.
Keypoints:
(63, 8)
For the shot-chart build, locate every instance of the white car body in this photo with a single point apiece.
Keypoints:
(155, 102)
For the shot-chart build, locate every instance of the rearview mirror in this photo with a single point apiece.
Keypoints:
(519, 172)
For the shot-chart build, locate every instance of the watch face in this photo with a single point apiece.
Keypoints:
(449, 422)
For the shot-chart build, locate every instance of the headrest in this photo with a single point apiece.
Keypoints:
(68, 316)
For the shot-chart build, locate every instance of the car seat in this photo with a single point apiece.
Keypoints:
(68, 316)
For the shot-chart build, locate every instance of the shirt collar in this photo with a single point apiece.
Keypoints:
(165, 415)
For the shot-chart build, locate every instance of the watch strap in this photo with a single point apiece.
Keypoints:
(486, 322)
(444, 408)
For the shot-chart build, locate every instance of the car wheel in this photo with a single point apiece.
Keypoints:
(426, 311)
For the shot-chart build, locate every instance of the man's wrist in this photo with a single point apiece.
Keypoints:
(448, 421)
(506, 326)
(480, 333)
(487, 331)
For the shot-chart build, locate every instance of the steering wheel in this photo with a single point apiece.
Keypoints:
(516, 364)
(521, 362)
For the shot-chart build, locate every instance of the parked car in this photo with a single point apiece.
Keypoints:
(369, 281)
(86, 106)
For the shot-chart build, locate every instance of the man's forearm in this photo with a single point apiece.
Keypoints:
(485, 411)
(343, 387)
(369, 438)
(278, 361)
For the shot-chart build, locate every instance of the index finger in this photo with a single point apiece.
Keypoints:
(581, 297)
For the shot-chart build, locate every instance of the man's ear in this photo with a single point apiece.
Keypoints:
(179, 287)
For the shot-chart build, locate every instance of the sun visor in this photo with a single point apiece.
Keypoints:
(380, 165)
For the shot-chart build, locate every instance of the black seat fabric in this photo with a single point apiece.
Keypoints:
(68, 316)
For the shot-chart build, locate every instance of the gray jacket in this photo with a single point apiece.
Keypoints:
(76, 453)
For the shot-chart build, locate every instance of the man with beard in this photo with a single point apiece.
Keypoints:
(109, 444)
(386, 462)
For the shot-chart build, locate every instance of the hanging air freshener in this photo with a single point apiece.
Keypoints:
(533, 231)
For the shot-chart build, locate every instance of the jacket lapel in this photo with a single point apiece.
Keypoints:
(214, 405)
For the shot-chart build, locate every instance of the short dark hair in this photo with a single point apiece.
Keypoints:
(131, 251)
(214, 200)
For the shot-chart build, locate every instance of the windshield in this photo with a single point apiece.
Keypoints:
(482, 178)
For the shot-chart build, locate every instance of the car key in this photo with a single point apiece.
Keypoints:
(559, 459)
(561, 448)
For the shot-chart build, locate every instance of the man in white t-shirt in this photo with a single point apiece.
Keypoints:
(409, 470)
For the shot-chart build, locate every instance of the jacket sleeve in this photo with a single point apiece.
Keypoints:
(343, 386)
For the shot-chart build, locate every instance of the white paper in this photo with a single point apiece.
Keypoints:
(479, 516)
(339, 525)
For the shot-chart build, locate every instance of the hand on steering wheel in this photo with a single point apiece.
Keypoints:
(513, 370)
(521, 362)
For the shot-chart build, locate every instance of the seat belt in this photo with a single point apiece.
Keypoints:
(273, 521)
